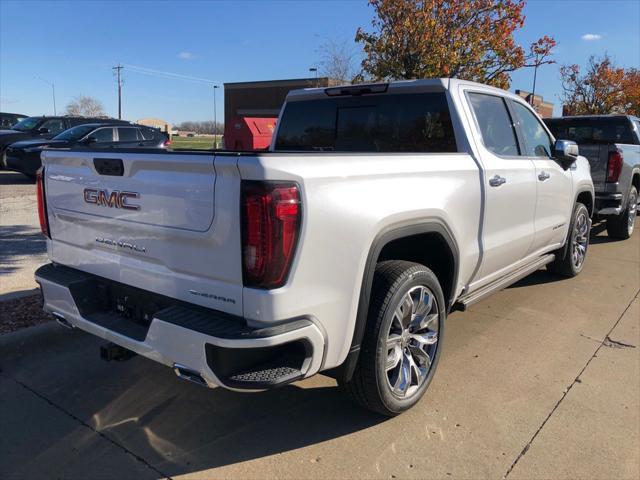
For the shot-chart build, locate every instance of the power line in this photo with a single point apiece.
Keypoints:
(169, 75)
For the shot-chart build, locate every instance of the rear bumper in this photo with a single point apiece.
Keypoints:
(220, 348)
(608, 204)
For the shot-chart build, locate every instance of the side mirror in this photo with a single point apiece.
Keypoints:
(43, 131)
(565, 152)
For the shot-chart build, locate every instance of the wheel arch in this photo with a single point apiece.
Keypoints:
(585, 196)
(386, 246)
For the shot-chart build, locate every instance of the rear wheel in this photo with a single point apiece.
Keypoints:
(575, 254)
(401, 346)
(622, 225)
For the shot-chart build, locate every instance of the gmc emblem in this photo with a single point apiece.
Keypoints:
(115, 199)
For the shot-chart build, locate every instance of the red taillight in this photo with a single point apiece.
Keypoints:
(270, 230)
(42, 208)
(614, 166)
(167, 142)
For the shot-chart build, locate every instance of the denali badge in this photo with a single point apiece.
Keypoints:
(120, 244)
(115, 199)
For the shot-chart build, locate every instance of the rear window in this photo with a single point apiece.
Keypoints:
(375, 123)
(594, 131)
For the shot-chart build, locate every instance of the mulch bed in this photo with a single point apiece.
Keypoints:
(21, 313)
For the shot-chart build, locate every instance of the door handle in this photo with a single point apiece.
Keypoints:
(497, 181)
(542, 176)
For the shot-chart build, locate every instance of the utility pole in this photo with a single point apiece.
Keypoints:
(315, 69)
(53, 90)
(215, 119)
(117, 69)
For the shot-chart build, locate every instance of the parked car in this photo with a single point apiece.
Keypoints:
(379, 209)
(44, 127)
(24, 156)
(7, 120)
(611, 143)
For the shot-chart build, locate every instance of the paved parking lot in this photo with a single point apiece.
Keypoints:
(541, 380)
(22, 248)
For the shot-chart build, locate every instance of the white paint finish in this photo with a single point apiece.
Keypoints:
(347, 201)
(175, 260)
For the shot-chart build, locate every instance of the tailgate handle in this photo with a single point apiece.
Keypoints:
(109, 166)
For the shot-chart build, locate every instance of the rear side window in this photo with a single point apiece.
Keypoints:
(494, 121)
(127, 134)
(593, 130)
(370, 123)
(148, 133)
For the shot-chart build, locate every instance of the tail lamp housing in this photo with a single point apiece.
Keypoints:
(42, 206)
(271, 217)
(614, 166)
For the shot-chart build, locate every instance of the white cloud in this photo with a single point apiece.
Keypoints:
(590, 37)
(186, 55)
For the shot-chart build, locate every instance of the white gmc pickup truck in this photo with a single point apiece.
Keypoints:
(377, 211)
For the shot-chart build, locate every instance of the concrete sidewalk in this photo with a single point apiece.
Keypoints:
(541, 380)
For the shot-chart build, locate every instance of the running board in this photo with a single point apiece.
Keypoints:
(467, 300)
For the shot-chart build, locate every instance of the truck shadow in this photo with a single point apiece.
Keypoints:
(175, 426)
(17, 241)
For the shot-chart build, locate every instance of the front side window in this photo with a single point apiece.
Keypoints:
(537, 140)
(55, 125)
(75, 133)
(494, 121)
(416, 123)
(103, 135)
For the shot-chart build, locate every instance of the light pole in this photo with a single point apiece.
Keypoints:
(53, 91)
(215, 119)
(535, 74)
(315, 69)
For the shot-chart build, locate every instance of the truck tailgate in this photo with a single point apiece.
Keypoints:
(161, 221)
(597, 156)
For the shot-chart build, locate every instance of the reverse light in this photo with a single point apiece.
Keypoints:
(42, 207)
(614, 166)
(271, 213)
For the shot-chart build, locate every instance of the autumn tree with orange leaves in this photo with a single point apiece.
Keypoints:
(468, 39)
(604, 88)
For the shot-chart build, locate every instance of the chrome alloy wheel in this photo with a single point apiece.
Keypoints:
(412, 341)
(580, 240)
(633, 210)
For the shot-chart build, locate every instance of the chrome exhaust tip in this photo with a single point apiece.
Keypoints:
(61, 320)
(190, 375)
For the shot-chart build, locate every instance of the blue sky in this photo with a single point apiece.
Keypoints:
(75, 44)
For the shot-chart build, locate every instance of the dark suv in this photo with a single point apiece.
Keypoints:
(7, 120)
(45, 127)
(24, 156)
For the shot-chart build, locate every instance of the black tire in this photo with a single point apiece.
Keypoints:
(370, 385)
(621, 226)
(565, 263)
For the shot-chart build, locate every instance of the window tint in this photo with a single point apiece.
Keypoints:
(127, 134)
(370, 123)
(592, 130)
(148, 133)
(495, 124)
(103, 135)
(537, 140)
(55, 125)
